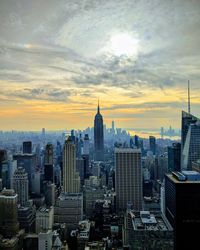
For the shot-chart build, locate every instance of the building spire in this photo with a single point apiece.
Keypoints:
(98, 108)
(188, 96)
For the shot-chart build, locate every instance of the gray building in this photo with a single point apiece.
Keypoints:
(69, 209)
(145, 230)
(20, 185)
(128, 178)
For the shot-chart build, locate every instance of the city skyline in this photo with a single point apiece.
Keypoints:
(56, 64)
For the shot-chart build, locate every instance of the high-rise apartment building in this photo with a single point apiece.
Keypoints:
(128, 178)
(98, 136)
(20, 185)
(71, 178)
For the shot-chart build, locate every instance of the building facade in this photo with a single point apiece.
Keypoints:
(128, 178)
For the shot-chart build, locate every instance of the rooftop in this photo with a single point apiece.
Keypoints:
(149, 222)
(185, 177)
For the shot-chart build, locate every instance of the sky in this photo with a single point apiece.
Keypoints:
(57, 58)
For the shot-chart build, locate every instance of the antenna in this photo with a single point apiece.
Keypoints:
(188, 96)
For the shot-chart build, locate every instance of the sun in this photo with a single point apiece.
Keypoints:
(124, 44)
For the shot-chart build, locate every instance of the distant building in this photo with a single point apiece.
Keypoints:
(49, 193)
(98, 136)
(182, 199)
(28, 162)
(128, 178)
(174, 157)
(152, 144)
(48, 154)
(86, 145)
(27, 147)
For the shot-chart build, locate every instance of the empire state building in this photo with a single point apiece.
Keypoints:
(98, 136)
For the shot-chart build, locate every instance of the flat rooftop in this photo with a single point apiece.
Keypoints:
(185, 176)
(147, 221)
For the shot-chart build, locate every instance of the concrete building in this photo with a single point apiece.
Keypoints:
(20, 185)
(26, 218)
(71, 179)
(86, 145)
(48, 154)
(45, 240)
(9, 225)
(69, 209)
(44, 219)
(49, 193)
(28, 162)
(90, 196)
(144, 230)
(152, 144)
(128, 178)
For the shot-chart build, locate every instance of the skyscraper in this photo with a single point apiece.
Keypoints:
(86, 145)
(182, 202)
(48, 155)
(152, 144)
(191, 150)
(71, 179)
(98, 136)
(128, 178)
(20, 185)
(174, 157)
(48, 163)
(187, 119)
(28, 162)
(113, 127)
(27, 147)
(9, 225)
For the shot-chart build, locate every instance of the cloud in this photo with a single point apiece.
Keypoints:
(45, 92)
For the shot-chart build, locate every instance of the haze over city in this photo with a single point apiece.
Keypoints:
(135, 56)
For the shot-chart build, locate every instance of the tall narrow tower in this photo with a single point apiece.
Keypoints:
(71, 179)
(98, 136)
